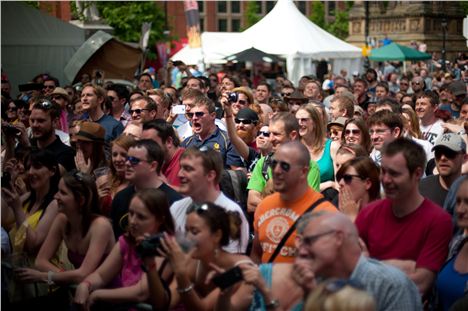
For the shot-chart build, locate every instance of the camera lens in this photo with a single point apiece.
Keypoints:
(233, 97)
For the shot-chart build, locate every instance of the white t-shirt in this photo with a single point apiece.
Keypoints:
(179, 214)
(432, 131)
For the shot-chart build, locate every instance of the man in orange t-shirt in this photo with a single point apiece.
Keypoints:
(277, 213)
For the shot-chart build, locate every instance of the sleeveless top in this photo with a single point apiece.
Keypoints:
(131, 271)
(451, 284)
(325, 163)
(18, 235)
(258, 304)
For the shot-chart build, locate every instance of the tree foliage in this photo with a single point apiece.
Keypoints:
(251, 15)
(339, 27)
(317, 15)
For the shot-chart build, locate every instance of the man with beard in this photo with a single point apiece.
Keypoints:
(360, 92)
(418, 86)
(42, 119)
(277, 213)
(371, 77)
(164, 134)
(450, 154)
(200, 173)
(207, 134)
(143, 171)
(246, 126)
(405, 229)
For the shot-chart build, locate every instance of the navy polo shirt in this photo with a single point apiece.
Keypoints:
(218, 141)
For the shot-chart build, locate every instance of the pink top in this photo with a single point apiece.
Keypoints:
(131, 267)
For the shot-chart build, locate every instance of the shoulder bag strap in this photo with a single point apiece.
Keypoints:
(292, 228)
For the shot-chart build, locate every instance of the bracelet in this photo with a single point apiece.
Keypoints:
(50, 274)
(461, 133)
(147, 269)
(185, 290)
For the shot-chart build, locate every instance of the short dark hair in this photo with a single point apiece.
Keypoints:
(265, 84)
(413, 152)
(393, 103)
(211, 160)
(50, 78)
(361, 81)
(120, 90)
(290, 122)
(431, 95)
(384, 85)
(388, 118)
(47, 106)
(153, 150)
(145, 74)
(164, 130)
(150, 104)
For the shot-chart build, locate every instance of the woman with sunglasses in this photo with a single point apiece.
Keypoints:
(313, 136)
(33, 212)
(88, 237)
(209, 227)
(359, 184)
(355, 131)
(148, 215)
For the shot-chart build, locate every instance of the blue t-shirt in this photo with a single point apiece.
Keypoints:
(451, 284)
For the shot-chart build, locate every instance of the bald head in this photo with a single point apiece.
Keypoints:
(298, 152)
(329, 221)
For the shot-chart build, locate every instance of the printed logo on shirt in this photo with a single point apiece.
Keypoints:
(276, 229)
(279, 211)
(216, 146)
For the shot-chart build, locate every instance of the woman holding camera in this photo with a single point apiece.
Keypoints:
(209, 227)
(148, 214)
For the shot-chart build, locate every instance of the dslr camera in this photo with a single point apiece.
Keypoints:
(148, 247)
(233, 97)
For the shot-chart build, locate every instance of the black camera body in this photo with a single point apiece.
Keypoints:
(9, 129)
(148, 247)
(233, 97)
(228, 278)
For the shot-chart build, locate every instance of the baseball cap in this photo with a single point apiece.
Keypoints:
(451, 141)
(457, 88)
(340, 121)
(247, 114)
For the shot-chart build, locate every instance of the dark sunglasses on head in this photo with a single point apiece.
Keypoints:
(244, 121)
(354, 132)
(137, 111)
(45, 105)
(264, 134)
(285, 166)
(449, 154)
(198, 208)
(348, 178)
(198, 114)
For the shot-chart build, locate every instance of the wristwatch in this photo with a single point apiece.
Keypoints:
(273, 304)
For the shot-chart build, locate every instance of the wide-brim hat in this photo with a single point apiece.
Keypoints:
(90, 131)
(62, 92)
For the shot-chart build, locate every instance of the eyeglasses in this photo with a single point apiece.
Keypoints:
(354, 132)
(348, 178)
(12, 108)
(285, 166)
(264, 134)
(51, 87)
(244, 121)
(286, 94)
(311, 239)
(198, 114)
(378, 132)
(334, 133)
(449, 154)
(242, 102)
(134, 161)
(137, 111)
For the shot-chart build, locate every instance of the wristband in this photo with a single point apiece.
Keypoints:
(50, 274)
(185, 290)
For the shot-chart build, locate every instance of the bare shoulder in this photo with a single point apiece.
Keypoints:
(101, 223)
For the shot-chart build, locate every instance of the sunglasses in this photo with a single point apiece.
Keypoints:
(45, 105)
(134, 161)
(264, 134)
(198, 114)
(137, 111)
(417, 83)
(449, 154)
(354, 132)
(244, 121)
(49, 87)
(242, 102)
(335, 133)
(198, 208)
(285, 166)
(286, 94)
(347, 178)
(12, 108)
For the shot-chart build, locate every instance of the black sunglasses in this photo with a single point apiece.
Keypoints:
(242, 102)
(137, 111)
(285, 166)
(244, 121)
(198, 114)
(134, 161)
(286, 94)
(49, 87)
(449, 154)
(198, 208)
(348, 178)
(12, 108)
(45, 105)
(354, 132)
(264, 134)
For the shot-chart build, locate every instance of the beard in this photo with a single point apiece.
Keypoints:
(246, 136)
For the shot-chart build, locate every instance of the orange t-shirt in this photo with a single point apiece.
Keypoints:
(273, 218)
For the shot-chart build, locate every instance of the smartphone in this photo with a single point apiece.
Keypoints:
(178, 109)
(228, 278)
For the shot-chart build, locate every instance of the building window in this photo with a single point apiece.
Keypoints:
(201, 6)
(235, 6)
(269, 6)
(235, 25)
(222, 24)
(331, 8)
(202, 24)
(301, 5)
(222, 6)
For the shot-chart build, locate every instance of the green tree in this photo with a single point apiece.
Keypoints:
(251, 16)
(318, 14)
(339, 28)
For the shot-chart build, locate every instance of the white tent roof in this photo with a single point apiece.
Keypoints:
(286, 31)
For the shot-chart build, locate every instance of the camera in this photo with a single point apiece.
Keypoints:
(233, 97)
(228, 278)
(10, 129)
(148, 247)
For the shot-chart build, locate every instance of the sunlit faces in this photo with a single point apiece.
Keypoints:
(359, 89)
(119, 156)
(198, 230)
(227, 84)
(448, 162)
(395, 177)
(286, 170)
(277, 134)
(241, 103)
(263, 138)
(262, 94)
(464, 112)
(424, 109)
(352, 134)
(89, 99)
(461, 207)
(306, 125)
(202, 120)
(335, 110)
(380, 92)
(140, 219)
(358, 187)
(139, 111)
(144, 83)
(340, 159)
(192, 175)
(312, 90)
(335, 132)
(41, 124)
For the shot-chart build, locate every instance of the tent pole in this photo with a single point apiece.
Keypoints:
(404, 67)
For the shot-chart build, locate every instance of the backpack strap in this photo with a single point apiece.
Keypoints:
(235, 184)
(292, 228)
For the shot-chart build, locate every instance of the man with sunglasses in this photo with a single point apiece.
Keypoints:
(329, 247)
(143, 170)
(49, 85)
(405, 229)
(277, 213)
(450, 155)
(143, 109)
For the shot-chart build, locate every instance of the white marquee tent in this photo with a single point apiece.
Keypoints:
(286, 31)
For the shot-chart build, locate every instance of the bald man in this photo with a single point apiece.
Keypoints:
(328, 247)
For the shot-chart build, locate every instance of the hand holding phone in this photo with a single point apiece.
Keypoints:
(178, 109)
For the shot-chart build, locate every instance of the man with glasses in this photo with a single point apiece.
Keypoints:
(206, 133)
(329, 247)
(49, 85)
(118, 96)
(384, 126)
(143, 109)
(405, 229)
(450, 155)
(143, 171)
(277, 213)
(426, 106)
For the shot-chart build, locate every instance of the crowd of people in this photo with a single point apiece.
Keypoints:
(193, 192)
